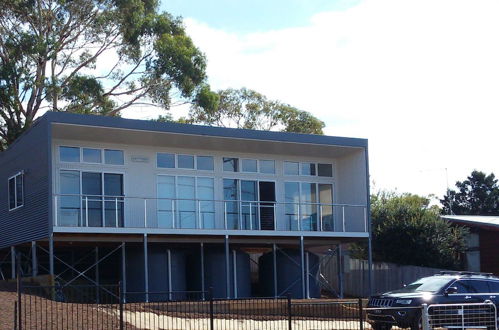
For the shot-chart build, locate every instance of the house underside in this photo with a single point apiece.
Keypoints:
(148, 265)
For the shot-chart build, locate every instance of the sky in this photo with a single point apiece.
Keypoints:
(418, 78)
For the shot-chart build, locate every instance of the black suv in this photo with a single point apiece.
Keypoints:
(443, 288)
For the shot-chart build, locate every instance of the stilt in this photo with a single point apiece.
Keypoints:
(51, 256)
(227, 268)
(13, 261)
(34, 260)
(274, 268)
(123, 270)
(146, 269)
(201, 252)
(340, 271)
(307, 273)
(97, 287)
(234, 266)
(170, 289)
(302, 265)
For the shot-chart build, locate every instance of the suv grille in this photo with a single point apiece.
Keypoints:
(377, 302)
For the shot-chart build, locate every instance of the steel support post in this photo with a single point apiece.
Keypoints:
(170, 289)
(227, 267)
(307, 273)
(274, 268)
(123, 270)
(201, 253)
(234, 273)
(34, 260)
(13, 261)
(302, 265)
(146, 269)
(339, 270)
(97, 287)
(51, 256)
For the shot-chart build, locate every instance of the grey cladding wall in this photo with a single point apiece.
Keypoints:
(30, 154)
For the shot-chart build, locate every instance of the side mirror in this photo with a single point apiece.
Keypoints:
(450, 290)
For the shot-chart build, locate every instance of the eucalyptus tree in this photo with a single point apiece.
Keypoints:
(92, 56)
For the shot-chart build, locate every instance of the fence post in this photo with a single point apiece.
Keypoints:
(361, 314)
(15, 315)
(120, 297)
(424, 318)
(290, 315)
(210, 297)
(19, 289)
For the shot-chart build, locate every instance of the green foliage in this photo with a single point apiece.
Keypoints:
(91, 56)
(245, 108)
(406, 230)
(477, 195)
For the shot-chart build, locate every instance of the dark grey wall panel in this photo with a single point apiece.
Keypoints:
(30, 153)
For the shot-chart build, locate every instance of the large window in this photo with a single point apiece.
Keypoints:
(91, 199)
(186, 202)
(16, 191)
(308, 206)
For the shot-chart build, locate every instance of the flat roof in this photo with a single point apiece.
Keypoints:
(172, 127)
(482, 221)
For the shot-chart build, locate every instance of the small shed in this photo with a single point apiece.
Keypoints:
(483, 242)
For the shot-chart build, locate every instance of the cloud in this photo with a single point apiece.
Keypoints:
(420, 79)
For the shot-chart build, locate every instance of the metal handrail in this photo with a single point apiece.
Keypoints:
(209, 200)
(245, 213)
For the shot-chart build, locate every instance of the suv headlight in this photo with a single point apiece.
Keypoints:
(403, 301)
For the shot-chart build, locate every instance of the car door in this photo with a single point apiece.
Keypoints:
(466, 293)
(494, 291)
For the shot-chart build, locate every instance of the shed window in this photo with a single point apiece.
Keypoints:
(16, 191)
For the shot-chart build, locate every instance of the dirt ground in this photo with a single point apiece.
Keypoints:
(50, 314)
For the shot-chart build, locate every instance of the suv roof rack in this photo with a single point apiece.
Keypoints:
(465, 273)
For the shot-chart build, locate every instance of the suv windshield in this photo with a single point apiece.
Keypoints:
(425, 284)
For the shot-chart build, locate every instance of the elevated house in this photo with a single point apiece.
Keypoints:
(175, 207)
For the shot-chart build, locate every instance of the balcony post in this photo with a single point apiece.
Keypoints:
(320, 218)
(86, 210)
(56, 220)
(116, 211)
(343, 217)
(145, 213)
(307, 273)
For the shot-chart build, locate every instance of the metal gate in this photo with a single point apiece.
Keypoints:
(460, 316)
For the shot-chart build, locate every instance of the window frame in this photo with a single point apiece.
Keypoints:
(14, 177)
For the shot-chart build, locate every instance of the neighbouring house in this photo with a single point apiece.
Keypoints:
(481, 255)
(175, 207)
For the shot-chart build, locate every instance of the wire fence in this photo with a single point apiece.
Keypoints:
(107, 307)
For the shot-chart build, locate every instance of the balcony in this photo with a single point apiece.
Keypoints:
(177, 215)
